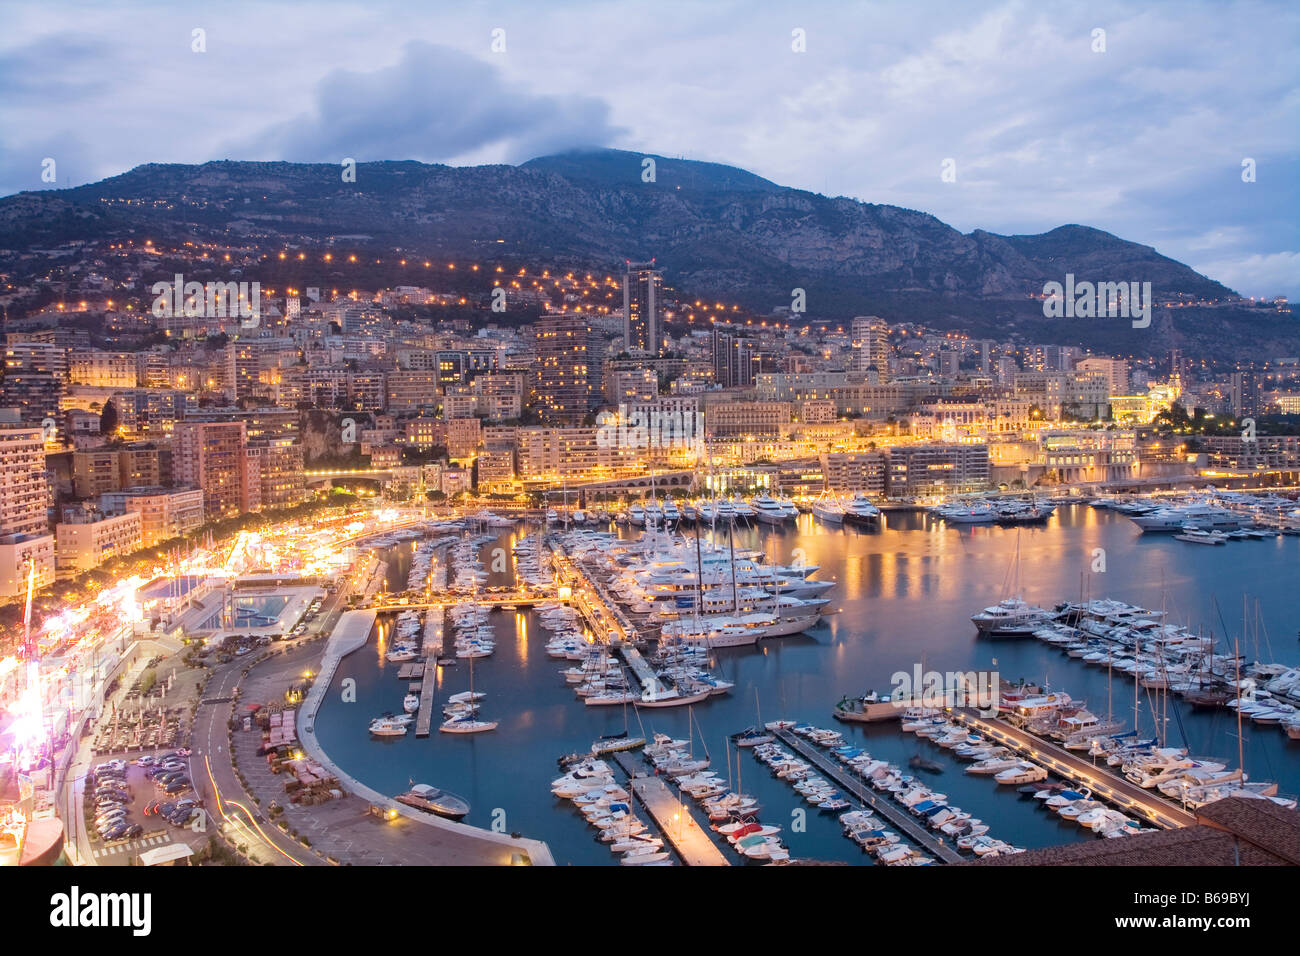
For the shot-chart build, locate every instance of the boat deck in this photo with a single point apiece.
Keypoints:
(672, 815)
(896, 815)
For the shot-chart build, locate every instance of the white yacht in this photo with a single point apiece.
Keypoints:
(411, 703)
(1200, 516)
(467, 724)
(771, 511)
(1012, 616)
(387, 727)
(828, 508)
(860, 512)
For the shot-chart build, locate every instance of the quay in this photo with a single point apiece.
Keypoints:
(1127, 796)
(672, 816)
(898, 817)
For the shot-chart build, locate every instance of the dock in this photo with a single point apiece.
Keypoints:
(424, 716)
(434, 619)
(672, 815)
(1151, 805)
(643, 672)
(882, 805)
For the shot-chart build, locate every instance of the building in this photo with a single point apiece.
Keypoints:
(1114, 370)
(95, 472)
(165, 513)
(273, 475)
(87, 543)
(562, 381)
(412, 391)
(871, 347)
(937, 469)
(641, 320)
(210, 456)
(24, 483)
(725, 419)
(103, 369)
(35, 379)
(18, 553)
(624, 386)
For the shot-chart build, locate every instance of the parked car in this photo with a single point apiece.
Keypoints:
(178, 786)
(116, 833)
(133, 830)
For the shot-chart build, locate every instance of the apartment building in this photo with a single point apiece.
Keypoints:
(85, 544)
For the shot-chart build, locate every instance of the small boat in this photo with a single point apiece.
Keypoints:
(411, 703)
(922, 763)
(387, 727)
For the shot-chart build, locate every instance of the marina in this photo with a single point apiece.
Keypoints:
(873, 574)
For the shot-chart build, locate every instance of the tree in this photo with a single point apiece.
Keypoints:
(108, 419)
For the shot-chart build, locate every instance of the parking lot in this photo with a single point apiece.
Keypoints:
(132, 806)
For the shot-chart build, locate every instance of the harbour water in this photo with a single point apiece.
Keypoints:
(904, 597)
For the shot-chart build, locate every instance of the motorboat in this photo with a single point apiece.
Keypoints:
(411, 703)
(432, 800)
(860, 512)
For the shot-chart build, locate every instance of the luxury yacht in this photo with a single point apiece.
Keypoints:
(1012, 616)
(829, 509)
(1200, 516)
(860, 512)
(771, 511)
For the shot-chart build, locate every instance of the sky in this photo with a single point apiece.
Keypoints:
(1141, 130)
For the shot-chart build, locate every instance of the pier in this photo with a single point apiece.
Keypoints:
(424, 716)
(884, 807)
(1151, 805)
(432, 647)
(643, 672)
(672, 816)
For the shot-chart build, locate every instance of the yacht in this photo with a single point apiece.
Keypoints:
(1012, 616)
(387, 727)
(1023, 772)
(829, 509)
(979, 512)
(467, 724)
(431, 799)
(771, 511)
(411, 703)
(861, 513)
(1201, 516)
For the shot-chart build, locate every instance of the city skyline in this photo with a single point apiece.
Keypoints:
(1138, 140)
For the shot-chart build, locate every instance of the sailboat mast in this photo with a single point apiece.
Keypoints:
(731, 546)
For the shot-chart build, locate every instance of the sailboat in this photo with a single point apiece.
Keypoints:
(614, 743)
(466, 721)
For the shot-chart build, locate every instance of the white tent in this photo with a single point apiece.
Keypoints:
(166, 853)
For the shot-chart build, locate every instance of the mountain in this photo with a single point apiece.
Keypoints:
(715, 229)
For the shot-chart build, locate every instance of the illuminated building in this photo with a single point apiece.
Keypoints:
(88, 542)
(24, 484)
(641, 327)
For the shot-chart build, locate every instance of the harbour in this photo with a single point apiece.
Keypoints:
(878, 577)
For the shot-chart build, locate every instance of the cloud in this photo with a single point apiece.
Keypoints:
(435, 105)
(1257, 275)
